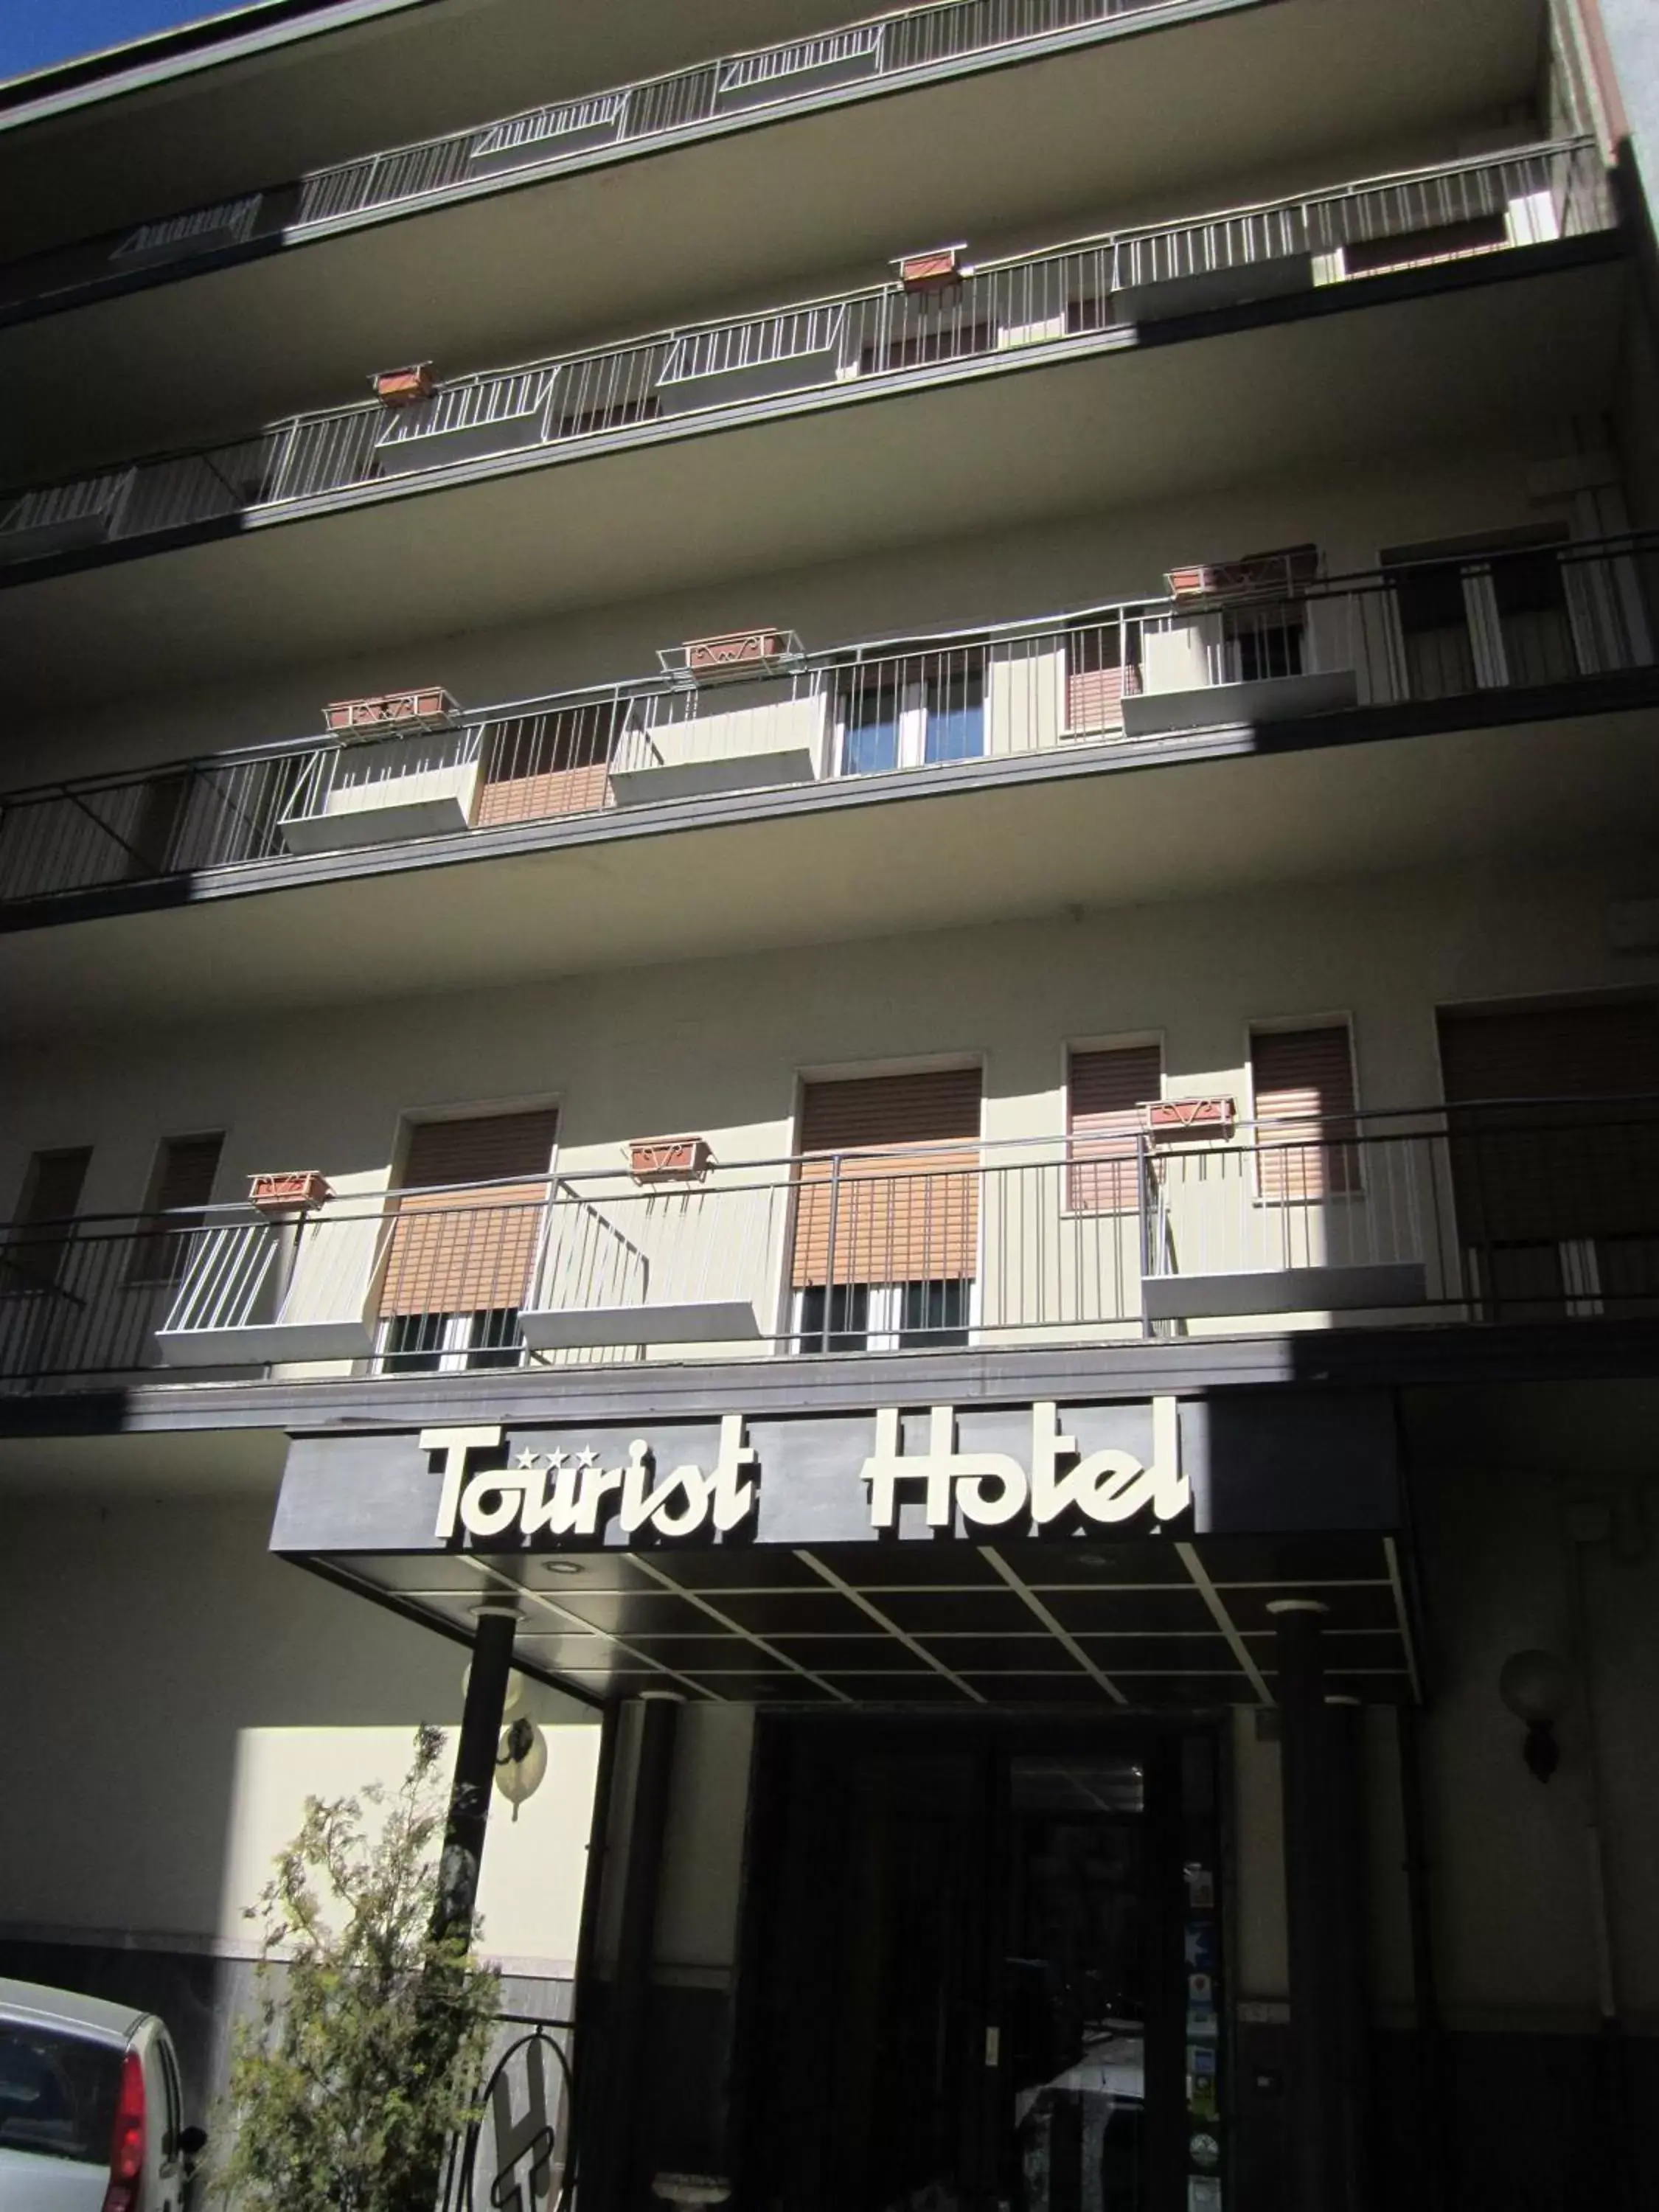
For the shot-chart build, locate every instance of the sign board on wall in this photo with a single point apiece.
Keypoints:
(1152, 1467)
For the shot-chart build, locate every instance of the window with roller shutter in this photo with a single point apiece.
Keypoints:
(180, 1185)
(537, 766)
(463, 1237)
(1554, 1122)
(39, 1238)
(1106, 1092)
(886, 1233)
(1103, 667)
(1302, 1082)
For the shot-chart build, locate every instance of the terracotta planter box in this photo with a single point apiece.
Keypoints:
(932, 270)
(405, 387)
(738, 650)
(653, 1159)
(1290, 570)
(427, 707)
(289, 1194)
(1190, 1117)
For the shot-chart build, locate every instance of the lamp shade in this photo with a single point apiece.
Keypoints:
(1536, 1686)
(520, 1762)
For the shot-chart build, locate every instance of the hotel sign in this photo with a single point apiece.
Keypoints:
(1255, 1461)
(561, 1493)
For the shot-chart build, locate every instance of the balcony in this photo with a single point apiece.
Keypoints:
(1431, 645)
(1516, 1212)
(910, 47)
(1100, 295)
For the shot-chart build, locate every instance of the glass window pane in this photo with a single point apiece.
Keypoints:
(872, 733)
(956, 715)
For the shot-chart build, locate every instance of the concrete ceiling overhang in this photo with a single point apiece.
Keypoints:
(633, 243)
(1090, 843)
(828, 477)
(358, 80)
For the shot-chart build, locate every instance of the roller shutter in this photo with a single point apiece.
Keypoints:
(459, 1249)
(181, 1183)
(1302, 1085)
(1554, 1123)
(891, 1204)
(1106, 1093)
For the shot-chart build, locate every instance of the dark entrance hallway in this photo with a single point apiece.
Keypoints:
(985, 1967)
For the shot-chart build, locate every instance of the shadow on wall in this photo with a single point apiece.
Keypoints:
(163, 1674)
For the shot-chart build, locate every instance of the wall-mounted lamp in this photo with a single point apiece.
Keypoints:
(520, 1762)
(1537, 1688)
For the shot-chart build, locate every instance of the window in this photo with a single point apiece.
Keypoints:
(180, 1184)
(1264, 642)
(1413, 249)
(58, 2100)
(913, 713)
(464, 1241)
(1302, 1080)
(927, 336)
(1554, 1133)
(42, 1234)
(1103, 667)
(1475, 613)
(537, 765)
(886, 1230)
(1106, 1094)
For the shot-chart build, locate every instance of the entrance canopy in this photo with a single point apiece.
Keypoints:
(1122, 1553)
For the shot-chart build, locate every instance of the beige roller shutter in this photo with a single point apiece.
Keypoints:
(1096, 680)
(911, 1215)
(1106, 1092)
(456, 1250)
(1303, 1082)
(541, 765)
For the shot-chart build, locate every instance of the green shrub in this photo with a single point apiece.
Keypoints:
(364, 2048)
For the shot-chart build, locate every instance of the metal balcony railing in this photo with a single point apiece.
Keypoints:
(910, 44)
(1000, 312)
(1514, 1211)
(1429, 632)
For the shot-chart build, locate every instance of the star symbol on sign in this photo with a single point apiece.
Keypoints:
(556, 1459)
(589, 1458)
(525, 1461)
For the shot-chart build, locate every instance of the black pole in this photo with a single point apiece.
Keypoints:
(1315, 1937)
(586, 2072)
(475, 1767)
(1346, 1846)
(612, 2149)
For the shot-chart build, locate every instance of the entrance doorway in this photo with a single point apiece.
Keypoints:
(981, 1969)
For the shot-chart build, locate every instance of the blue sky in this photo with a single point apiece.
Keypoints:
(33, 34)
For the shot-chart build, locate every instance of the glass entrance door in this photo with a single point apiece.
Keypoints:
(981, 1971)
(1075, 1971)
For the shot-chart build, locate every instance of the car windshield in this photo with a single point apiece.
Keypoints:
(58, 2094)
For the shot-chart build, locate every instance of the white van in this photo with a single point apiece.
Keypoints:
(91, 2119)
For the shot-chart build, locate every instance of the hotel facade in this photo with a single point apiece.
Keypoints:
(829, 916)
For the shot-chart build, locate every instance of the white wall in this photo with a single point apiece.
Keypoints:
(717, 1047)
(172, 1694)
